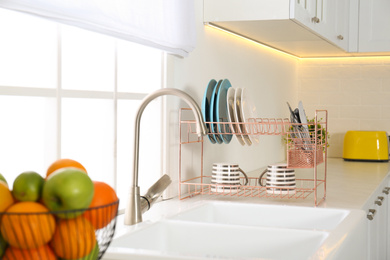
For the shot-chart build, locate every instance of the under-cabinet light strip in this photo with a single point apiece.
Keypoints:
(251, 40)
(286, 53)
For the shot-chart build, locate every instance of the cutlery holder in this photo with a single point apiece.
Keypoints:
(298, 158)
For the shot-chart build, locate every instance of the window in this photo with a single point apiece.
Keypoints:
(70, 93)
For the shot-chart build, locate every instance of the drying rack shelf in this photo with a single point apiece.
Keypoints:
(201, 186)
(306, 148)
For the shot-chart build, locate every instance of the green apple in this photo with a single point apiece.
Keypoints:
(28, 186)
(91, 256)
(3, 246)
(68, 189)
(3, 180)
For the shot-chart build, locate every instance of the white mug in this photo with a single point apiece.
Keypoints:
(226, 177)
(279, 179)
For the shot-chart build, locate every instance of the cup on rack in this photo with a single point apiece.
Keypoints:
(279, 179)
(226, 177)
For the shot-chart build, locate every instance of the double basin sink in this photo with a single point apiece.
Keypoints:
(230, 230)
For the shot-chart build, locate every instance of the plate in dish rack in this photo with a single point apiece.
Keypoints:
(232, 116)
(238, 113)
(206, 104)
(213, 114)
(249, 115)
(222, 112)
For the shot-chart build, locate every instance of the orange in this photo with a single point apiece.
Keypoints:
(6, 198)
(64, 163)
(41, 253)
(102, 208)
(74, 238)
(27, 225)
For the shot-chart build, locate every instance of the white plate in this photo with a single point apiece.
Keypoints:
(237, 112)
(232, 116)
(249, 115)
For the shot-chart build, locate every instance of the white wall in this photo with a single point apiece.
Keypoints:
(269, 76)
(355, 91)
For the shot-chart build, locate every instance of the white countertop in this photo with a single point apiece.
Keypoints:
(349, 186)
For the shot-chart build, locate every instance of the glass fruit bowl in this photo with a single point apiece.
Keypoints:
(74, 234)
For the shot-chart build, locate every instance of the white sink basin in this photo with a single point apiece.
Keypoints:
(227, 230)
(265, 215)
(187, 240)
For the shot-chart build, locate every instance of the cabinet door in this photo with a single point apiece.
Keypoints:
(378, 227)
(382, 228)
(374, 26)
(332, 20)
(328, 18)
(304, 11)
(373, 225)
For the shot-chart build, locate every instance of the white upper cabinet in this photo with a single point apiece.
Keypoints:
(307, 28)
(374, 26)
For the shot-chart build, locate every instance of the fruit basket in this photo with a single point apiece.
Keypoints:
(73, 234)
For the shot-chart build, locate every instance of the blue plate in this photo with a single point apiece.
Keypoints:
(213, 114)
(222, 111)
(206, 103)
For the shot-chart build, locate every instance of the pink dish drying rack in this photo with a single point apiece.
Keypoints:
(304, 151)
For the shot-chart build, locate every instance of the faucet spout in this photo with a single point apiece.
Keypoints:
(133, 211)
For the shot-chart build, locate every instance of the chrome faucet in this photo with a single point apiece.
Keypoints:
(134, 210)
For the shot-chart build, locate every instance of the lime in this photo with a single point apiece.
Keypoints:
(28, 186)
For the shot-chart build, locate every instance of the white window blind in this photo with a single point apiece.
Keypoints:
(168, 25)
(71, 93)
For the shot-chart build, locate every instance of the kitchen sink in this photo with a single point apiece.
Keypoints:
(265, 215)
(231, 230)
(186, 240)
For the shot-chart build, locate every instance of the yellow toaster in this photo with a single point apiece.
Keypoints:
(366, 146)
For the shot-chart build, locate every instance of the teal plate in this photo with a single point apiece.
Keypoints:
(222, 112)
(213, 114)
(206, 106)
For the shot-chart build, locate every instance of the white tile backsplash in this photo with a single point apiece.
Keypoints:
(355, 91)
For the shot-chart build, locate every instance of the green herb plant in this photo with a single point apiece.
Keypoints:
(322, 134)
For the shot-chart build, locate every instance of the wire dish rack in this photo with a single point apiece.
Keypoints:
(306, 146)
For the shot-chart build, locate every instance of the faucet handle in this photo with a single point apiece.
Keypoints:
(154, 192)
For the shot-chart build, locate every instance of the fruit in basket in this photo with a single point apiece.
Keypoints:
(68, 189)
(74, 238)
(3, 246)
(42, 253)
(27, 231)
(64, 163)
(6, 198)
(104, 194)
(91, 256)
(3, 180)
(28, 186)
